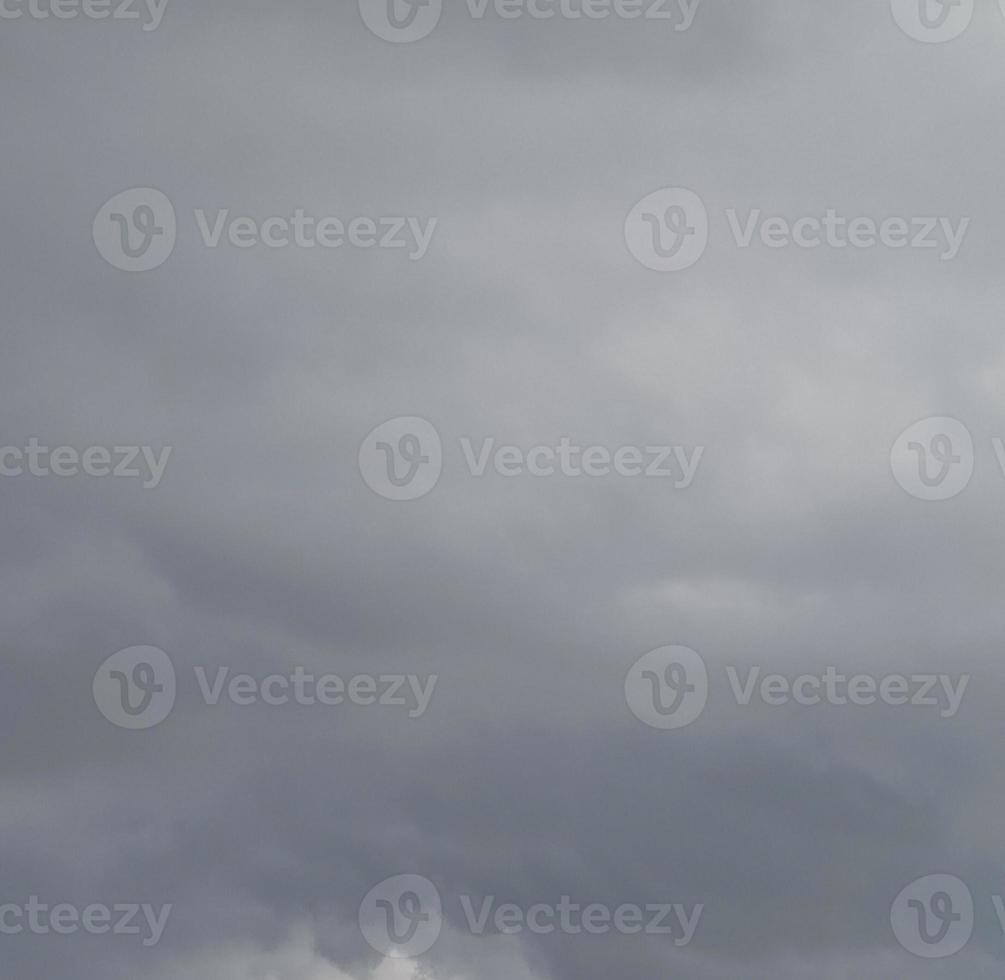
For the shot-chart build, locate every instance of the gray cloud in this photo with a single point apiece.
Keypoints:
(263, 549)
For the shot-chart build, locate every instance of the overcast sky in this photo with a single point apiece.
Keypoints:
(516, 310)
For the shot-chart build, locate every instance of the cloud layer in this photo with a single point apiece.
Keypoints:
(528, 320)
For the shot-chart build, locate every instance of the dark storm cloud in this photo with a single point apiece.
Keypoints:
(527, 321)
